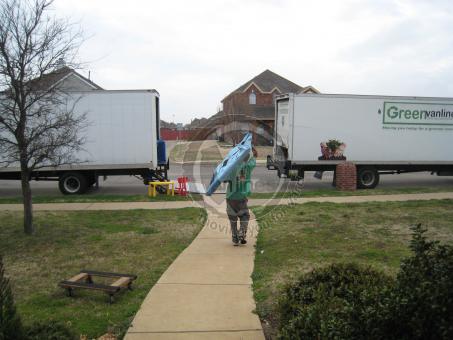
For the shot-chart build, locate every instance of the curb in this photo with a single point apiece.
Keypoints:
(259, 161)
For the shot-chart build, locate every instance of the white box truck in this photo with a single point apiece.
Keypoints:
(122, 138)
(380, 134)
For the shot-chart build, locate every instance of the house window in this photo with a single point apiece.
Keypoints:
(252, 98)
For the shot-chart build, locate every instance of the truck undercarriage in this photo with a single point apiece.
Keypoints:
(368, 173)
(78, 181)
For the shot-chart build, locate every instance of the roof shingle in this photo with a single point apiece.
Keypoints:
(50, 79)
(268, 80)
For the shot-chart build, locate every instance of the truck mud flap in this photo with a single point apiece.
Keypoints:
(270, 165)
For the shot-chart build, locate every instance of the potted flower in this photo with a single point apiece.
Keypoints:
(332, 149)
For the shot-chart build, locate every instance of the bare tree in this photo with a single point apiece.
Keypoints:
(38, 126)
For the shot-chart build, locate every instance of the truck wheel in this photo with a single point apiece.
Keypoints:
(73, 183)
(367, 178)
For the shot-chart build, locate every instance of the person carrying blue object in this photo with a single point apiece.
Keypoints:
(239, 188)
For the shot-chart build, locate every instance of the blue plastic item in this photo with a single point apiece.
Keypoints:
(229, 167)
(161, 152)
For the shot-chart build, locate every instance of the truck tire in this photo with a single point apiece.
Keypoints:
(73, 183)
(367, 178)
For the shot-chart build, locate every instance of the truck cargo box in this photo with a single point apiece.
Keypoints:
(122, 129)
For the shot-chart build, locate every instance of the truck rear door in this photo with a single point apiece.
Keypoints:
(282, 129)
(157, 118)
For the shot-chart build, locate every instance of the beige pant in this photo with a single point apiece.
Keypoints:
(238, 209)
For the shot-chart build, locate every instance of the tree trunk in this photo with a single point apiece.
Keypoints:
(29, 228)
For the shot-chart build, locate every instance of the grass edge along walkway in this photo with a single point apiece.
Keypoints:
(352, 199)
(303, 193)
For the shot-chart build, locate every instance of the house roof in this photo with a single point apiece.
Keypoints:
(214, 120)
(54, 77)
(267, 82)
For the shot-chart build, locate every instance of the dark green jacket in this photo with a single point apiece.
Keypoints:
(240, 187)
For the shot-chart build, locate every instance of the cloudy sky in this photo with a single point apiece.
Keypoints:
(196, 52)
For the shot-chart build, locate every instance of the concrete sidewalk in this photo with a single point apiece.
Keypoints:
(353, 199)
(201, 204)
(206, 293)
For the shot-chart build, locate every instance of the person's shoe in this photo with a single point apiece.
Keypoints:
(242, 240)
(235, 241)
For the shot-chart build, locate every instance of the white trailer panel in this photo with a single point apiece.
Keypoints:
(375, 129)
(122, 130)
(122, 127)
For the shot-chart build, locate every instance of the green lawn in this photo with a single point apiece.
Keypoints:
(215, 151)
(297, 238)
(178, 151)
(92, 198)
(363, 192)
(141, 242)
(193, 151)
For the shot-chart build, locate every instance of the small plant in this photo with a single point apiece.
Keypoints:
(149, 231)
(332, 149)
(345, 301)
(333, 144)
(50, 330)
(421, 304)
(340, 301)
(10, 324)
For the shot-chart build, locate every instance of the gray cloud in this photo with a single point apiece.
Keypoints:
(196, 52)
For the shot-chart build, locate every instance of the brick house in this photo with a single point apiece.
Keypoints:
(251, 107)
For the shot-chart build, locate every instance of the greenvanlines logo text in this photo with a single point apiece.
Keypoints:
(418, 113)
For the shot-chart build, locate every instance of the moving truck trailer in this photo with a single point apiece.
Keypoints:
(380, 134)
(122, 138)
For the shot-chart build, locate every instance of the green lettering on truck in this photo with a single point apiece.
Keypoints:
(392, 112)
(418, 113)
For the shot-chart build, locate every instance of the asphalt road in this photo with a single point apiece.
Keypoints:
(263, 181)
